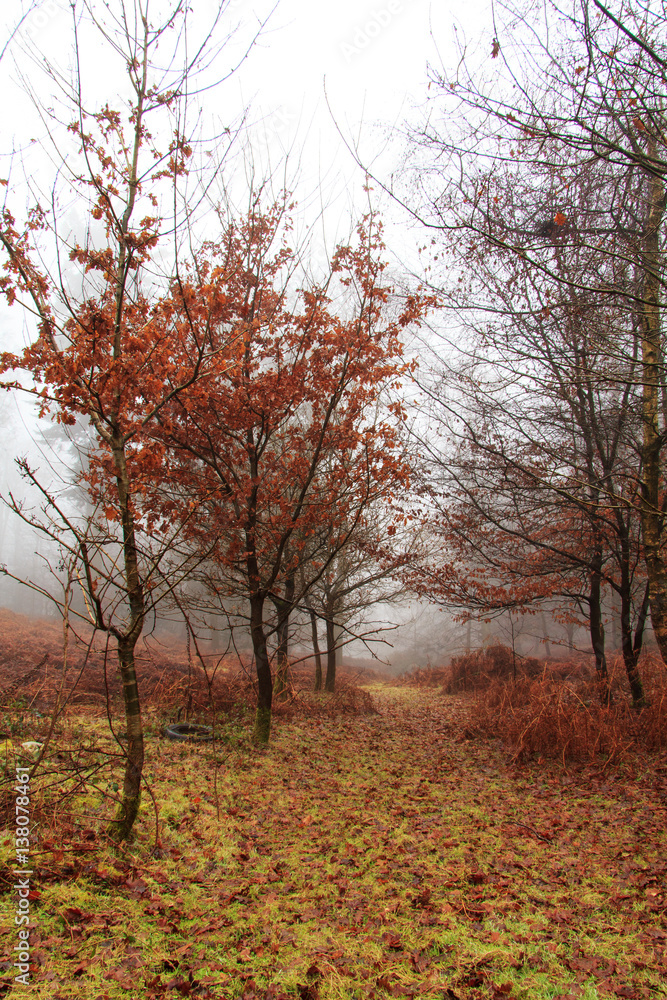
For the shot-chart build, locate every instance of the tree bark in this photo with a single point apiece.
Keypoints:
(652, 515)
(120, 828)
(283, 607)
(262, 729)
(330, 682)
(597, 631)
(631, 646)
(545, 633)
(127, 640)
(316, 650)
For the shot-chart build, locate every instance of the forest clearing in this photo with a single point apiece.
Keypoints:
(291, 394)
(376, 848)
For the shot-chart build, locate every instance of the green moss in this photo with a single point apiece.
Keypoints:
(369, 850)
(262, 728)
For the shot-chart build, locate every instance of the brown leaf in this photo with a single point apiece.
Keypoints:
(422, 899)
(308, 991)
(392, 941)
(419, 961)
(121, 977)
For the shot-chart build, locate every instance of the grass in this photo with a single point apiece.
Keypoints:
(368, 856)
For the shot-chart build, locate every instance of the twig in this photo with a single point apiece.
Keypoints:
(524, 826)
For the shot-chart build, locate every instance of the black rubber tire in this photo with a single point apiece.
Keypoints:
(189, 732)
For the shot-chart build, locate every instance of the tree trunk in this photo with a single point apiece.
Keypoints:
(651, 513)
(262, 728)
(632, 645)
(640, 627)
(616, 616)
(283, 607)
(545, 634)
(121, 827)
(597, 632)
(316, 650)
(330, 682)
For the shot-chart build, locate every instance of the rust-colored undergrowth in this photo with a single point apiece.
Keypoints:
(553, 709)
(34, 668)
(382, 845)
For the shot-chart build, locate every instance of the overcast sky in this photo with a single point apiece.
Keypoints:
(370, 56)
(320, 76)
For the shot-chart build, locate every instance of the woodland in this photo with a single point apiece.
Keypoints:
(263, 442)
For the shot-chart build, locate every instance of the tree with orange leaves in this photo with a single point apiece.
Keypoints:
(291, 436)
(116, 341)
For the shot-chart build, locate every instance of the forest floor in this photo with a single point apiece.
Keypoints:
(379, 855)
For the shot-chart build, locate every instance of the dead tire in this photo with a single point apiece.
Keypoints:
(188, 732)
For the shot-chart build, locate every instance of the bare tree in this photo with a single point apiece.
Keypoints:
(289, 437)
(553, 165)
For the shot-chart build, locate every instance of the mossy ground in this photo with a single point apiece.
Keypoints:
(368, 856)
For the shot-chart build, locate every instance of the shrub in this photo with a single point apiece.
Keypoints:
(557, 713)
(478, 668)
(424, 677)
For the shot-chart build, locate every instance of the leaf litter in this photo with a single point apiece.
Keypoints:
(375, 856)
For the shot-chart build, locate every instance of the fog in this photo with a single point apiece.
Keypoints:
(321, 82)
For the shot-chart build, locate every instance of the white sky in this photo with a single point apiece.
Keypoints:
(372, 56)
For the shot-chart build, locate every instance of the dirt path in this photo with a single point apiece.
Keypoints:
(366, 857)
